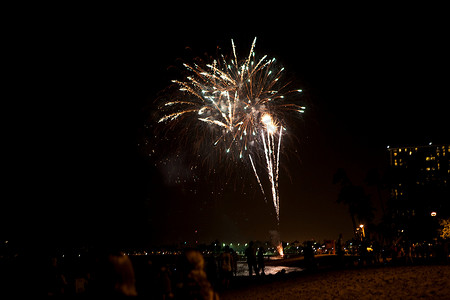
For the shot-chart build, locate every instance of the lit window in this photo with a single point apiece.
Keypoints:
(428, 169)
(410, 152)
(395, 153)
(395, 162)
(399, 150)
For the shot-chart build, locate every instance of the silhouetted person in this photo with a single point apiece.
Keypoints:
(194, 283)
(427, 251)
(250, 252)
(340, 250)
(260, 260)
(308, 253)
(408, 253)
(376, 252)
(225, 263)
(56, 279)
(363, 254)
(211, 269)
(165, 283)
(235, 257)
(115, 276)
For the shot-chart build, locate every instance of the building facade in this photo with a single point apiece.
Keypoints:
(419, 181)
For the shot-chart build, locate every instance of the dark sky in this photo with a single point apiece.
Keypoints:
(83, 94)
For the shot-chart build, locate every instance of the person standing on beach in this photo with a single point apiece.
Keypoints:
(261, 260)
(226, 262)
(234, 261)
(340, 250)
(308, 253)
(250, 252)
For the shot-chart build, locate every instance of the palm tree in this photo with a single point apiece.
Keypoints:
(358, 202)
(341, 177)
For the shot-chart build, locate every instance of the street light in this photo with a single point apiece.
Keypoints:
(362, 228)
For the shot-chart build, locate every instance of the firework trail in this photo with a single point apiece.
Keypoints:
(243, 103)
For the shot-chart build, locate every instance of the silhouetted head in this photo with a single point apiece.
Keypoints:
(116, 275)
(192, 260)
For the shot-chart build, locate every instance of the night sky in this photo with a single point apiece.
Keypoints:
(83, 94)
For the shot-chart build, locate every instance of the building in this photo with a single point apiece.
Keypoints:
(427, 165)
(419, 181)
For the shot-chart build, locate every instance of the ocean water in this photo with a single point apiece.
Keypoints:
(242, 269)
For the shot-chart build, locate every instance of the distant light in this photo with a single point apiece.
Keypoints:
(430, 143)
(388, 146)
(433, 214)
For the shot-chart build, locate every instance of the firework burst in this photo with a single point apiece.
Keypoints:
(243, 103)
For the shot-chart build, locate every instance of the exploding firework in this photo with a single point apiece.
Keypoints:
(240, 105)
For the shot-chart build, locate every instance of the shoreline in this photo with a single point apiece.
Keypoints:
(391, 281)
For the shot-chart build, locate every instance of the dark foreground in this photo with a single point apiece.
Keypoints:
(166, 276)
(392, 282)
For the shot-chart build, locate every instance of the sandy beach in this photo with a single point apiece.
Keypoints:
(405, 282)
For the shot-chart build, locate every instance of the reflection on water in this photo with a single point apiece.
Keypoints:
(242, 269)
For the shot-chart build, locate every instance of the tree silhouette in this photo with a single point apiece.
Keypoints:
(358, 202)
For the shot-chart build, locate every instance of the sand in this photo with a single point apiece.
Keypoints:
(406, 282)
